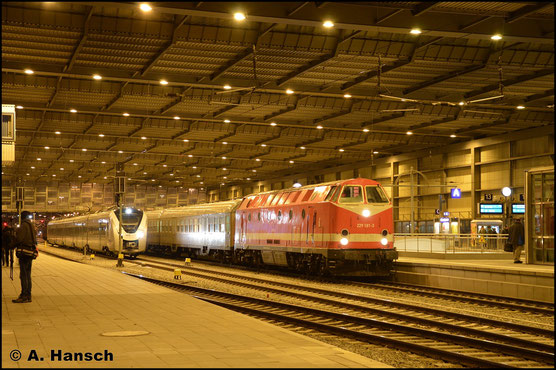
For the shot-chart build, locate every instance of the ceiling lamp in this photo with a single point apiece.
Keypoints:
(97, 77)
(227, 87)
(227, 121)
(415, 31)
(46, 147)
(73, 110)
(71, 161)
(291, 161)
(375, 152)
(520, 107)
(341, 150)
(409, 133)
(29, 71)
(328, 24)
(19, 107)
(263, 144)
(120, 151)
(126, 114)
(186, 140)
(496, 37)
(452, 135)
(57, 132)
(319, 127)
(365, 130)
(239, 16)
(272, 123)
(143, 137)
(347, 96)
(101, 135)
(176, 117)
(145, 7)
(302, 147)
(84, 149)
(163, 82)
(289, 91)
(225, 142)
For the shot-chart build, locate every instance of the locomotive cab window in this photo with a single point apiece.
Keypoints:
(330, 193)
(352, 194)
(375, 194)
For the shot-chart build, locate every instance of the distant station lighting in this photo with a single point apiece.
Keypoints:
(415, 31)
(84, 149)
(163, 82)
(409, 133)
(120, 151)
(105, 177)
(227, 87)
(177, 117)
(375, 152)
(164, 165)
(263, 144)
(190, 155)
(347, 96)
(223, 157)
(54, 175)
(194, 167)
(101, 135)
(254, 170)
(225, 142)
(520, 107)
(341, 150)
(126, 114)
(61, 168)
(461, 103)
(144, 173)
(135, 164)
(57, 132)
(46, 147)
(27, 174)
(186, 140)
(239, 16)
(73, 110)
(248, 178)
(198, 175)
(79, 176)
(32, 167)
(328, 24)
(291, 161)
(302, 147)
(365, 130)
(29, 71)
(289, 91)
(272, 123)
(227, 121)
(319, 127)
(38, 159)
(496, 37)
(97, 77)
(258, 159)
(143, 138)
(145, 7)
(19, 107)
(297, 185)
(224, 169)
(103, 162)
(506, 191)
(452, 135)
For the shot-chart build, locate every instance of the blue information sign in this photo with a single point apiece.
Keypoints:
(518, 208)
(491, 208)
(456, 193)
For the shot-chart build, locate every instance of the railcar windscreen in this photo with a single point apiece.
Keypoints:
(131, 218)
(375, 194)
(352, 194)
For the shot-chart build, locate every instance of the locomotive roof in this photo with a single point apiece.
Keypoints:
(198, 209)
(358, 180)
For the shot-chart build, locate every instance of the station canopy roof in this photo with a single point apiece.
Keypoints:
(187, 95)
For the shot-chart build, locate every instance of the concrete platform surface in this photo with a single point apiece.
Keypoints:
(74, 306)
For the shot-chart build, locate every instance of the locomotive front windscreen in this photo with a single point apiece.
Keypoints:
(131, 218)
(375, 194)
(351, 194)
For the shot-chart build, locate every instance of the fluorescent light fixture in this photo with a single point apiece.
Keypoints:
(163, 82)
(227, 121)
(272, 123)
(483, 99)
(126, 114)
(227, 87)
(177, 117)
(347, 96)
(409, 133)
(496, 37)
(97, 77)
(520, 107)
(19, 107)
(73, 110)
(29, 71)
(186, 140)
(397, 98)
(365, 130)
(145, 7)
(289, 91)
(375, 152)
(328, 24)
(101, 135)
(319, 127)
(415, 31)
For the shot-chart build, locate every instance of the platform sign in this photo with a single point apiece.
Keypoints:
(491, 208)
(444, 219)
(446, 214)
(518, 208)
(488, 197)
(455, 193)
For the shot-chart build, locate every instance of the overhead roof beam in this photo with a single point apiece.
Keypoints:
(538, 96)
(483, 126)
(229, 134)
(423, 7)
(330, 116)
(382, 119)
(509, 82)
(69, 66)
(527, 10)
(312, 141)
(444, 77)
(432, 123)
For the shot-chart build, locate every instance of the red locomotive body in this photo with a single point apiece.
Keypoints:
(344, 227)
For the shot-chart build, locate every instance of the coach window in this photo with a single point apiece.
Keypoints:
(330, 192)
(249, 217)
(307, 195)
(352, 194)
(290, 215)
(303, 214)
(259, 216)
(279, 215)
(375, 194)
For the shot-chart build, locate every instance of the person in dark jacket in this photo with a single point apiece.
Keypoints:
(517, 239)
(25, 237)
(7, 246)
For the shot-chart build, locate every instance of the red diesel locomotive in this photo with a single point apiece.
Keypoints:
(342, 227)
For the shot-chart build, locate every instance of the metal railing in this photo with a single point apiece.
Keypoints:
(450, 243)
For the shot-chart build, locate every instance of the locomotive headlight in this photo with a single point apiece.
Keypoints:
(140, 234)
(383, 241)
(366, 213)
(128, 211)
(344, 241)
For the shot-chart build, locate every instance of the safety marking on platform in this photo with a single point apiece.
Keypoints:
(129, 333)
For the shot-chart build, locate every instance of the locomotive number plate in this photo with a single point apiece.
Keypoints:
(365, 225)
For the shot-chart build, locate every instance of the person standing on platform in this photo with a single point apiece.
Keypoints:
(7, 242)
(517, 239)
(25, 240)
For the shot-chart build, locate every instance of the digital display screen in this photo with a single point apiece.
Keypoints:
(491, 208)
(518, 208)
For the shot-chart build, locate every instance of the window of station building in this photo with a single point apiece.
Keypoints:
(307, 195)
(352, 194)
(375, 194)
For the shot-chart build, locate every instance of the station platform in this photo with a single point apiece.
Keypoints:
(478, 274)
(126, 322)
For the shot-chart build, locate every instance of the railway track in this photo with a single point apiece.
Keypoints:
(483, 342)
(514, 304)
(457, 349)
